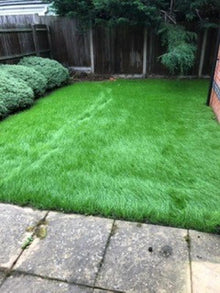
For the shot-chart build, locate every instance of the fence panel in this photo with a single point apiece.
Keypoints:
(70, 45)
(18, 41)
(118, 50)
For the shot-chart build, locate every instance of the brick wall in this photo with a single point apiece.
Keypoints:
(215, 94)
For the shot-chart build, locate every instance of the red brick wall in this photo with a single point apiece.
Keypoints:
(215, 95)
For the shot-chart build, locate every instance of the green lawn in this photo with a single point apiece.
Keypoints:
(144, 150)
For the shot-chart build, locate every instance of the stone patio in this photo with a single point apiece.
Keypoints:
(44, 251)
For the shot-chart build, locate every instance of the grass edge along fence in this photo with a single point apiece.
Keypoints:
(121, 50)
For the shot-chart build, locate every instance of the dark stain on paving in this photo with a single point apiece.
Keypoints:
(166, 251)
(150, 249)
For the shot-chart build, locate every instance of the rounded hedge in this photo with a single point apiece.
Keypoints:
(15, 94)
(33, 78)
(3, 110)
(55, 73)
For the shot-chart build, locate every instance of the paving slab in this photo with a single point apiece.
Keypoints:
(1, 277)
(30, 284)
(72, 250)
(104, 291)
(14, 221)
(146, 258)
(205, 262)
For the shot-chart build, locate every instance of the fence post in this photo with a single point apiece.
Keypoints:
(49, 40)
(36, 44)
(36, 19)
(91, 50)
(202, 53)
(145, 53)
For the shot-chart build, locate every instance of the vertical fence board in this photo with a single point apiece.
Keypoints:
(35, 39)
(155, 50)
(103, 53)
(145, 53)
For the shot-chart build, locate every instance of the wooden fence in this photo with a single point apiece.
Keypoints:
(24, 41)
(120, 50)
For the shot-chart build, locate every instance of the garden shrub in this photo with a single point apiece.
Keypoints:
(180, 55)
(33, 78)
(3, 110)
(55, 73)
(15, 94)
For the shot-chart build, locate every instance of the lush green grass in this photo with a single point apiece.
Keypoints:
(144, 150)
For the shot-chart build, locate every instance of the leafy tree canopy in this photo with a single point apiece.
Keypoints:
(168, 17)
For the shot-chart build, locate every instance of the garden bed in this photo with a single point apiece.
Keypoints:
(143, 150)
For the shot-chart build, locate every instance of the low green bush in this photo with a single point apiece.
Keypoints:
(55, 73)
(33, 78)
(15, 94)
(3, 110)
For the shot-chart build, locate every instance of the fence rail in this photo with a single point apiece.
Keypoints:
(18, 42)
(119, 50)
(18, 56)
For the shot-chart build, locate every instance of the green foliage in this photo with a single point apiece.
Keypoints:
(144, 12)
(33, 79)
(180, 54)
(83, 9)
(3, 110)
(15, 94)
(55, 74)
(20, 83)
(202, 11)
(27, 242)
(111, 12)
(131, 12)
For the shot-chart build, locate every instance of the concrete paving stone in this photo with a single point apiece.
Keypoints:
(205, 262)
(1, 277)
(104, 291)
(146, 258)
(30, 284)
(72, 250)
(14, 221)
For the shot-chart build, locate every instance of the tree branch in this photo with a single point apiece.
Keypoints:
(197, 12)
(167, 15)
